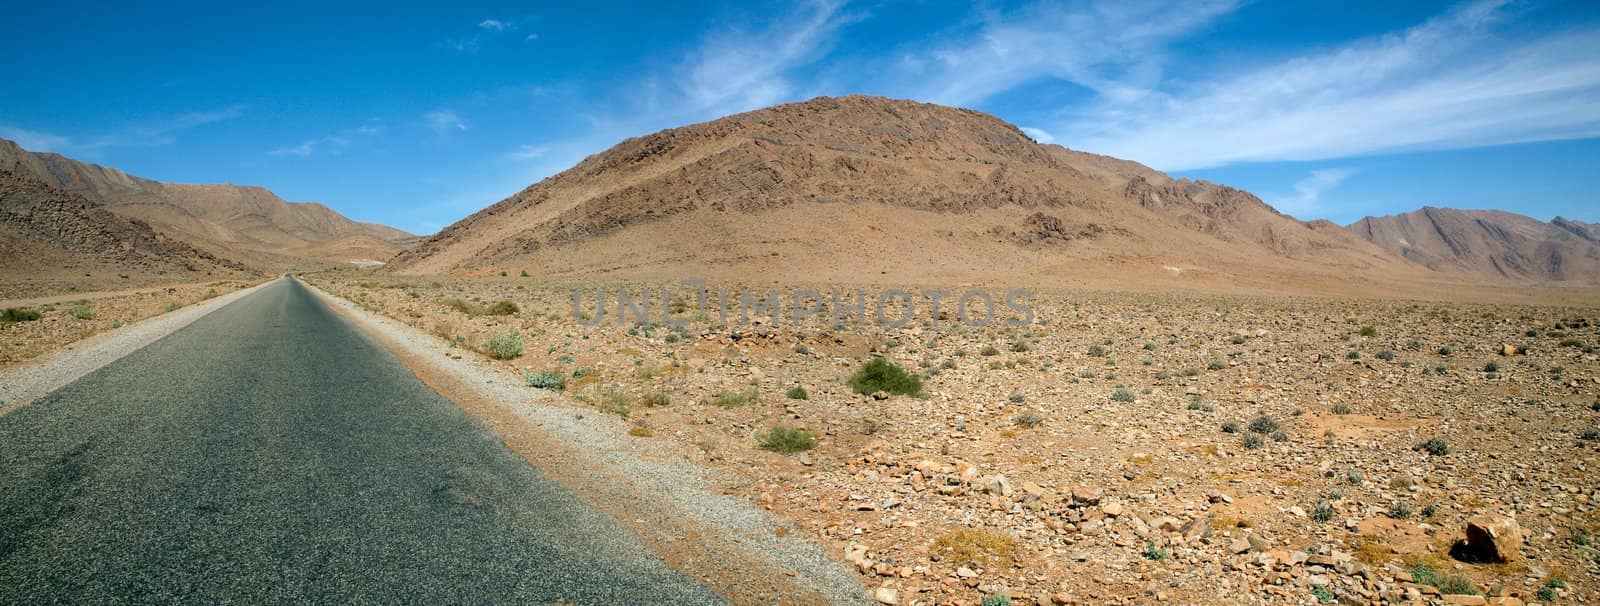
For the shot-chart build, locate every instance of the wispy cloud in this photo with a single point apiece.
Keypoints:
(530, 152)
(443, 122)
(1453, 81)
(33, 140)
(1039, 134)
(143, 134)
(1306, 200)
(1113, 47)
(737, 69)
(487, 29)
(191, 120)
(331, 142)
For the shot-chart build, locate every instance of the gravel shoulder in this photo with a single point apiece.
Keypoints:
(740, 551)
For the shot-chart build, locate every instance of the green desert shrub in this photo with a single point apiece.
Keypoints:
(1435, 446)
(18, 314)
(798, 393)
(1449, 583)
(615, 401)
(504, 346)
(785, 439)
(547, 379)
(1029, 420)
(1264, 424)
(81, 311)
(1122, 394)
(1322, 512)
(882, 375)
(734, 399)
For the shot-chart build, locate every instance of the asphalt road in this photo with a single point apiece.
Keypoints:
(271, 453)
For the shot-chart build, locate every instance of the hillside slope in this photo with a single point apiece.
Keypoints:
(49, 233)
(1490, 243)
(865, 189)
(247, 223)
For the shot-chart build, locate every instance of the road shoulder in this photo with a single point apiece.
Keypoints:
(740, 551)
(31, 380)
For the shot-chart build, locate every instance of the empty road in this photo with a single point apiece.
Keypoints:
(271, 453)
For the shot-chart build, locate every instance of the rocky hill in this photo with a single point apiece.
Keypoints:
(249, 224)
(50, 233)
(1490, 243)
(870, 189)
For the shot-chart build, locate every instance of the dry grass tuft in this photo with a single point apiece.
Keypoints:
(975, 546)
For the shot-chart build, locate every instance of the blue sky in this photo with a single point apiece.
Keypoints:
(416, 117)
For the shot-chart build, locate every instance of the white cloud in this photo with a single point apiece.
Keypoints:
(1305, 202)
(1450, 82)
(443, 122)
(37, 141)
(737, 70)
(193, 119)
(496, 25)
(332, 142)
(530, 152)
(1113, 47)
(150, 133)
(1039, 134)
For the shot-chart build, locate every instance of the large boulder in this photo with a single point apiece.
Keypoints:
(1490, 538)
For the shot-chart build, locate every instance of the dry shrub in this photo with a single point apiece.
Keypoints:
(979, 546)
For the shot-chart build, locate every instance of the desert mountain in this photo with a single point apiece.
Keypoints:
(1490, 243)
(250, 224)
(860, 189)
(49, 233)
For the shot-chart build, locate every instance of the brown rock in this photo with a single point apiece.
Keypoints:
(886, 595)
(1490, 538)
(1087, 495)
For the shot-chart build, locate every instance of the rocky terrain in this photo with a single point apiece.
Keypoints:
(244, 224)
(1123, 448)
(1491, 243)
(866, 189)
(52, 236)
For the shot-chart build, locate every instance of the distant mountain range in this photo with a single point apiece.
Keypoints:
(866, 189)
(854, 189)
(1491, 243)
(248, 225)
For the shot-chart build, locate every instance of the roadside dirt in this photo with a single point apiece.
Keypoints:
(743, 554)
(1109, 453)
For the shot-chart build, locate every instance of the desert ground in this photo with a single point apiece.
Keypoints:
(43, 323)
(1122, 448)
